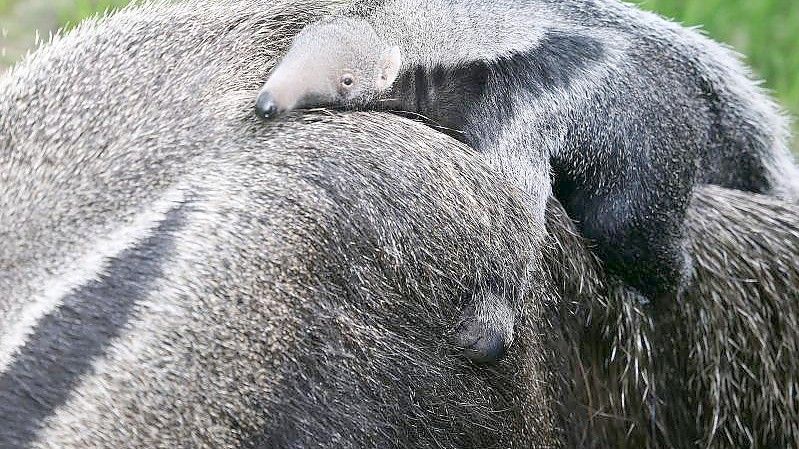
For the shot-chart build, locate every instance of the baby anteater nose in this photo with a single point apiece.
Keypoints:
(265, 105)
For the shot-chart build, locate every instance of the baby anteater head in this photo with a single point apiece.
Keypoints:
(335, 62)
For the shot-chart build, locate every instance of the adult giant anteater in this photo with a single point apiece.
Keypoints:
(175, 274)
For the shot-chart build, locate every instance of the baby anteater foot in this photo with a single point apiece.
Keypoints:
(485, 329)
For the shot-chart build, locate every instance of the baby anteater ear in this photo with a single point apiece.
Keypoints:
(390, 64)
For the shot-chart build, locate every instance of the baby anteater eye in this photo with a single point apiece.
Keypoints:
(347, 80)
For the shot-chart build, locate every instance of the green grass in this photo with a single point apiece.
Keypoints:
(80, 9)
(765, 31)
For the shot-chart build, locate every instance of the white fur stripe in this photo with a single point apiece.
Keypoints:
(83, 269)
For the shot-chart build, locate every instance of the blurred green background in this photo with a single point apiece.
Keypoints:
(766, 31)
(23, 21)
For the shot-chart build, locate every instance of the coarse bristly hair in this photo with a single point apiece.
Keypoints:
(178, 275)
(719, 369)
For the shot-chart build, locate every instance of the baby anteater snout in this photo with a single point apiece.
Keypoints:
(265, 105)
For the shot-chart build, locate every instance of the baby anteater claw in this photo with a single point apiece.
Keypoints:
(485, 329)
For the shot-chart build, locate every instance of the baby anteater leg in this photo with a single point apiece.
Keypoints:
(643, 245)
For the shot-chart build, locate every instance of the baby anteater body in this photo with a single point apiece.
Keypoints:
(618, 112)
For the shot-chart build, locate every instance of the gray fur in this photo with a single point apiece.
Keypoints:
(307, 270)
(717, 370)
(622, 111)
